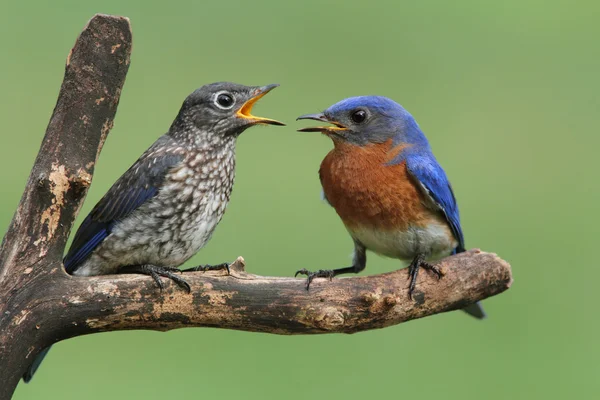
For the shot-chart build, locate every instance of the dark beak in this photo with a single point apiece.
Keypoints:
(322, 118)
(245, 111)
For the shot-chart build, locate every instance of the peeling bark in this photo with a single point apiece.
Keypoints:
(41, 304)
(31, 252)
(255, 303)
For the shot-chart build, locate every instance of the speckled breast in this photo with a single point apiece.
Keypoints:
(171, 227)
(194, 198)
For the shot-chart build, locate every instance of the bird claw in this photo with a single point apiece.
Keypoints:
(413, 272)
(156, 273)
(302, 271)
(322, 273)
(436, 270)
(207, 267)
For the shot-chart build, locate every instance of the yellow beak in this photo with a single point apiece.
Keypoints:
(246, 109)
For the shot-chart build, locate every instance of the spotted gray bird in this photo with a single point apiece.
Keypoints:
(165, 207)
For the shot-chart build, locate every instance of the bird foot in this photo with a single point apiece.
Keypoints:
(322, 273)
(207, 267)
(156, 272)
(413, 272)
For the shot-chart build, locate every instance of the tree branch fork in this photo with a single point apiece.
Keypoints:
(41, 304)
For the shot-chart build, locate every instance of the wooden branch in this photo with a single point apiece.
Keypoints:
(255, 303)
(41, 304)
(94, 75)
(32, 248)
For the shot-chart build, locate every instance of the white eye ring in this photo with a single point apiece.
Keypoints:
(224, 100)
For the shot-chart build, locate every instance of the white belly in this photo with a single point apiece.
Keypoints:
(434, 241)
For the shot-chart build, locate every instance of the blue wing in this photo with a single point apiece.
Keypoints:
(138, 184)
(425, 169)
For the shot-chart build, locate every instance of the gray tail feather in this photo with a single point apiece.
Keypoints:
(475, 310)
(35, 365)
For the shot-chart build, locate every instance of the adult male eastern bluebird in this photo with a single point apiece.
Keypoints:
(387, 187)
(166, 206)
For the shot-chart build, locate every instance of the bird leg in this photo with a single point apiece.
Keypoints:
(359, 263)
(208, 267)
(156, 272)
(413, 271)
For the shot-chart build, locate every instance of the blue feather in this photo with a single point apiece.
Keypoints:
(84, 251)
(424, 168)
(138, 184)
(389, 120)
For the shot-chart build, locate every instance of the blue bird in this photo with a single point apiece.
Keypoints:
(387, 187)
(165, 207)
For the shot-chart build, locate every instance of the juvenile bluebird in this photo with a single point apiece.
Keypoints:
(387, 187)
(166, 206)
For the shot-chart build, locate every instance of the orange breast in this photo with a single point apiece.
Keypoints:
(366, 192)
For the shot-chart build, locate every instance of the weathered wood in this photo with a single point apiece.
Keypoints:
(32, 248)
(41, 304)
(255, 303)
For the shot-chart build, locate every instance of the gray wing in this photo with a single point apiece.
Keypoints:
(137, 185)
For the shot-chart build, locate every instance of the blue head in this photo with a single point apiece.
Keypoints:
(368, 119)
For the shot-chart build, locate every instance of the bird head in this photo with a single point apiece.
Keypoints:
(366, 120)
(222, 108)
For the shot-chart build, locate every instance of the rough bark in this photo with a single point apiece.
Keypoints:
(40, 304)
(255, 303)
(31, 252)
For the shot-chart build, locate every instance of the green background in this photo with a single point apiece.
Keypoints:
(507, 93)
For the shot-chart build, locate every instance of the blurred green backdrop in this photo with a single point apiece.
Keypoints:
(507, 93)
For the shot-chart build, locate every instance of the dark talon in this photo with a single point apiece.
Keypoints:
(309, 281)
(156, 272)
(302, 271)
(156, 279)
(413, 272)
(322, 273)
(208, 267)
(436, 270)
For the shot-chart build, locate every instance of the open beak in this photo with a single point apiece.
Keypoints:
(245, 111)
(334, 127)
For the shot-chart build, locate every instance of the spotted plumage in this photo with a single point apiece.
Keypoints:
(166, 206)
(384, 182)
(190, 187)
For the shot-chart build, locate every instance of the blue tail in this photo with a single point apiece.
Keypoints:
(35, 365)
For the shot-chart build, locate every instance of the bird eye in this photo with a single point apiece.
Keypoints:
(359, 116)
(224, 101)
